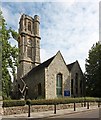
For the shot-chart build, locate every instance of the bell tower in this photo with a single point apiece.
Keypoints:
(29, 44)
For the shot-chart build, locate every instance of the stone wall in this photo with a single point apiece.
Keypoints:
(79, 80)
(38, 108)
(32, 81)
(1, 110)
(57, 66)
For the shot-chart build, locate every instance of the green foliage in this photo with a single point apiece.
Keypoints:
(93, 71)
(15, 35)
(9, 58)
(28, 102)
(12, 103)
(61, 101)
(91, 99)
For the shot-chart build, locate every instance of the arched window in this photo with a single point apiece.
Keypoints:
(29, 26)
(59, 84)
(29, 48)
(76, 83)
(81, 87)
(72, 86)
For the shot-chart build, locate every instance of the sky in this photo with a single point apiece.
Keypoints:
(69, 26)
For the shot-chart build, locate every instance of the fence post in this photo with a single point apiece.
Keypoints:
(87, 105)
(54, 108)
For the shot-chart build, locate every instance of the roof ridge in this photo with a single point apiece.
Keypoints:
(70, 66)
(42, 65)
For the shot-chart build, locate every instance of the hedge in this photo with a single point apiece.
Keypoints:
(11, 103)
(61, 101)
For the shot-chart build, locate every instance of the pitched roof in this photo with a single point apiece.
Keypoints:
(70, 66)
(42, 65)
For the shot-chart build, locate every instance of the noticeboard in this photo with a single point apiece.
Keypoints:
(66, 93)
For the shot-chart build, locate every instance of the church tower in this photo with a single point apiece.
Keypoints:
(29, 44)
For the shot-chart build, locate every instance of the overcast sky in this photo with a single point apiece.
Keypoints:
(71, 27)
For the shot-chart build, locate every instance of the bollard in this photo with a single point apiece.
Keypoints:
(98, 103)
(87, 105)
(81, 104)
(29, 110)
(54, 108)
(84, 103)
(28, 102)
(74, 106)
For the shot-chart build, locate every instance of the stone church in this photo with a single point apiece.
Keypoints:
(50, 79)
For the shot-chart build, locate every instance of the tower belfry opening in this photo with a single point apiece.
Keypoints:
(29, 44)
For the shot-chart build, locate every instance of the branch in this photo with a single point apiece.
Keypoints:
(15, 35)
(24, 85)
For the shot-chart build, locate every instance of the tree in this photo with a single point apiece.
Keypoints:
(93, 71)
(9, 57)
(0, 69)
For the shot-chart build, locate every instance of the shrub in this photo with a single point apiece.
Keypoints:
(91, 99)
(56, 101)
(28, 102)
(11, 103)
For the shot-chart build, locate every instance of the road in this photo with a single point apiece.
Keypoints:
(85, 115)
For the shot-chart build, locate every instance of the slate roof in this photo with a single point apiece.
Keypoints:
(42, 65)
(70, 66)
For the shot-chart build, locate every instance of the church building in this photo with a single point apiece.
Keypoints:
(50, 79)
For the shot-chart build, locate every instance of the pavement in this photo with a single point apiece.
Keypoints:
(47, 114)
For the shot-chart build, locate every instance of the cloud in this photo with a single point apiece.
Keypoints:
(71, 28)
(69, 1)
(11, 16)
